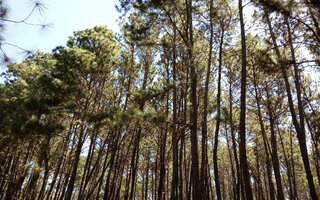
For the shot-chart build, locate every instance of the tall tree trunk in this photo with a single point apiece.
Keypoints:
(183, 171)
(86, 170)
(136, 148)
(194, 107)
(289, 174)
(233, 173)
(134, 164)
(242, 145)
(233, 139)
(163, 135)
(75, 163)
(60, 162)
(174, 184)
(32, 186)
(300, 129)
(204, 139)
(216, 135)
(45, 178)
(147, 176)
(293, 169)
(274, 154)
(113, 149)
(264, 136)
(164, 141)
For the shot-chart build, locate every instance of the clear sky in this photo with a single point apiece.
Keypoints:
(66, 16)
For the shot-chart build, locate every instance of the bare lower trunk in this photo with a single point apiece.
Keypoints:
(242, 145)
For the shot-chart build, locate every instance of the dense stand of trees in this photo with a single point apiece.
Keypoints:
(195, 99)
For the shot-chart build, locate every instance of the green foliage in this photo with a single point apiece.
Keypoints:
(47, 83)
(96, 115)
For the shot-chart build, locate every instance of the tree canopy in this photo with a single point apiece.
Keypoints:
(193, 100)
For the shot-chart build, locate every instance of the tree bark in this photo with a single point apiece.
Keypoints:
(174, 184)
(300, 129)
(274, 153)
(75, 163)
(243, 152)
(194, 107)
(216, 135)
(264, 135)
(204, 131)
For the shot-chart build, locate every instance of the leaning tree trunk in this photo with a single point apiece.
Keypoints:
(75, 163)
(264, 136)
(298, 126)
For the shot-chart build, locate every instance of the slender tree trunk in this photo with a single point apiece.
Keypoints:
(87, 166)
(216, 136)
(300, 129)
(147, 176)
(32, 186)
(233, 174)
(75, 163)
(264, 135)
(45, 179)
(60, 162)
(174, 184)
(136, 148)
(293, 169)
(162, 163)
(204, 139)
(14, 187)
(163, 143)
(274, 154)
(242, 144)
(289, 174)
(194, 107)
(234, 144)
(113, 150)
(183, 172)
(134, 163)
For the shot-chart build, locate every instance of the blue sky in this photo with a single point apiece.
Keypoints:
(66, 16)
